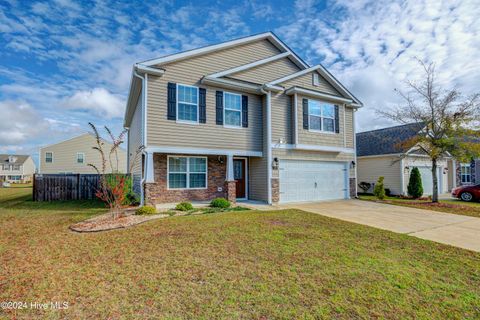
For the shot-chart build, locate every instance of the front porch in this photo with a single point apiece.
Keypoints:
(172, 178)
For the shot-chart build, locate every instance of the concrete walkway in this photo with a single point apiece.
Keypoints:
(452, 229)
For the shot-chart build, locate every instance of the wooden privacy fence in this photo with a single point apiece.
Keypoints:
(52, 187)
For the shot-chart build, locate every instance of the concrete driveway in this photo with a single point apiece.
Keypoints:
(452, 229)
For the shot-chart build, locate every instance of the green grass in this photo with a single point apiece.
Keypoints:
(248, 264)
(454, 206)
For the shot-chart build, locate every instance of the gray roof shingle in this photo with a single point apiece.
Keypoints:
(386, 140)
(20, 158)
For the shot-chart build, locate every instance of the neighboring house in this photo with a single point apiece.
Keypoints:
(74, 155)
(16, 168)
(467, 173)
(244, 119)
(384, 152)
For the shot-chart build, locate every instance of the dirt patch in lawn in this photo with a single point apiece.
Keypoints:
(106, 222)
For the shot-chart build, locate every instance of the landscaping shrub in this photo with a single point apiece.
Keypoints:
(146, 210)
(415, 188)
(388, 192)
(220, 203)
(365, 186)
(184, 206)
(379, 190)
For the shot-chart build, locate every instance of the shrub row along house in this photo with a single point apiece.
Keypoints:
(386, 152)
(74, 155)
(16, 168)
(244, 119)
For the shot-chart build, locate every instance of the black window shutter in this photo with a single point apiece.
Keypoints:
(202, 105)
(305, 113)
(219, 107)
(172, 101)
(337, 121)
(245, 111)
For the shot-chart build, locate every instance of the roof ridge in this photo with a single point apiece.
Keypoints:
(393, 127)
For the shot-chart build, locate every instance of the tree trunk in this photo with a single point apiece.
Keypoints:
(435, 181)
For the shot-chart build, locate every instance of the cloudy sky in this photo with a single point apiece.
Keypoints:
(64, 62)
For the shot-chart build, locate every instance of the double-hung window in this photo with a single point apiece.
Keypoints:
(187, 172)
(80, 157)
(48, 157)
(16, 167)
(321, 116)
(187, 103)
(465, 173)
(232, 104)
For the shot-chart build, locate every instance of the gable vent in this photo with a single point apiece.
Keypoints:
(316, 79)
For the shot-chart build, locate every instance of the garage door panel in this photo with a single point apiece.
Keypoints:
(312, 180)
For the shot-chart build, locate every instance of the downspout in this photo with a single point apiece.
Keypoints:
(269, 142)
(142, 181)
(355, 150)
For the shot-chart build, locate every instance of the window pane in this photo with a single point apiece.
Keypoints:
(232, 118)
(198, 165)
(233, 102)
(328, 111)
(198, 180)
(328, 124)
(314, 108)
(187, 94)
(177, 164)
(187, 112)
(315, 123)
(177, 180)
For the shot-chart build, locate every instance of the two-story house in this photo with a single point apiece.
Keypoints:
(244, 119)
(75, 154)
(16, 168)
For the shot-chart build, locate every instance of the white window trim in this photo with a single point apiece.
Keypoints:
(187, 172)
(315, 79)
(192, 104)
(46, 156)
(225, 108)
(321, 117)
(83, 154)
(465, 165)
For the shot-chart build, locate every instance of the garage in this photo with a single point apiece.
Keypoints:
(302, 180)
(427, 181)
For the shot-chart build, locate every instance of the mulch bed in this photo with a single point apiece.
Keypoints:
(106, 222)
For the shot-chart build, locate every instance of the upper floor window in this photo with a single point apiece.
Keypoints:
(16, 167)
(48, 157)
(80, 157)
(321, 116)
(465, 173)
(232, 104)
(187, 172)
(6, 167)
(187, 103)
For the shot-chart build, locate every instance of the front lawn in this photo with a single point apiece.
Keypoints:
(449, 206)
(246, 264)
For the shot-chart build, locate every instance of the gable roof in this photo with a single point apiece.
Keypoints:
(79, 136)
(20, 158)
(386, 140)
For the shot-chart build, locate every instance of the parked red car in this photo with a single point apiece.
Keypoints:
(467, 193)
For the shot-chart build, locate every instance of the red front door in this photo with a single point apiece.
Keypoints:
(239, 174)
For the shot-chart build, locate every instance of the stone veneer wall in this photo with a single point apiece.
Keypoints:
(158, 192)
(353, 184)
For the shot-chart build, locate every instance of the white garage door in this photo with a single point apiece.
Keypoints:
(427, 182)
(312, 180)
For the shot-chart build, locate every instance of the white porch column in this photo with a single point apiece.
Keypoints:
(149, 176)
(230, 167)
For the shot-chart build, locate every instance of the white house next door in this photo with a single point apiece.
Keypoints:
(302, 180)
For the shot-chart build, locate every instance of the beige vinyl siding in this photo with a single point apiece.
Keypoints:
(258, 175)
(306, 81)
(163, 132)
(282, 118)
(65, 156)
(369, 169)
(28, 167)
(135, 134)
(197, 67)
(267, 72)
(342, 139)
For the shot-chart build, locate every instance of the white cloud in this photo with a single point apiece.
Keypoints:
(99, 101)
(371, 46)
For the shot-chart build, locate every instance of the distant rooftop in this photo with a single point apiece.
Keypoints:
(13, 158)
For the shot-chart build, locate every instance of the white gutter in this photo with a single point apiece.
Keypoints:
(142, 181)
(355, 152)
(320, 95)
(149, 70)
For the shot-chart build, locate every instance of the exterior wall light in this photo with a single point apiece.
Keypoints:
(275, 163)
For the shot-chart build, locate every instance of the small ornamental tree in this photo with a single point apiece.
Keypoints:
(115, 187)
(379, 189)
(415, 188)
